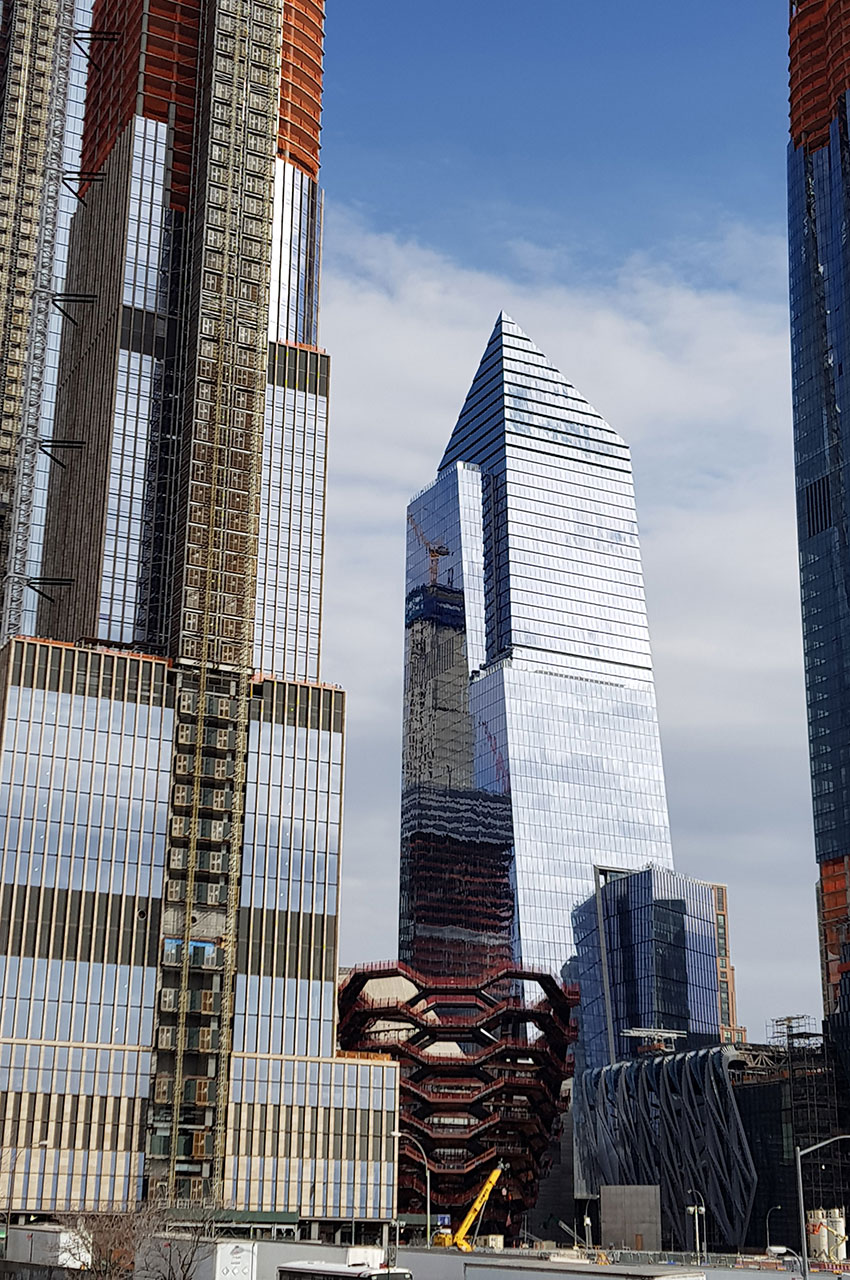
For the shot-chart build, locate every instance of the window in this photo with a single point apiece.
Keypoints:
(818, 506)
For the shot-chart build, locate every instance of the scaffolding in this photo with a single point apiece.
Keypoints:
(226, 377)
(807, 1061)
(38, 40)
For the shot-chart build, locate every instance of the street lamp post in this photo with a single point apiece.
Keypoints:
(698, 1209)
(693, 1210)
(780, 1250)
(799, 1152)
(415, 1142)
(771, 1210)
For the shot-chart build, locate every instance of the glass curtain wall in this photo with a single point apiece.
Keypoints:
(531, 746)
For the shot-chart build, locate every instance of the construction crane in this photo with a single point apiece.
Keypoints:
(434, 549)
(445, 1239)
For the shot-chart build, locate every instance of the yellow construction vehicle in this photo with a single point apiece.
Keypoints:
(459, 1240)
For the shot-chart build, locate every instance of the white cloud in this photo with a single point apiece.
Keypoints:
(688, 359)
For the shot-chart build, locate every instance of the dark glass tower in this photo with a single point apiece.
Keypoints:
(818, 204)
(647, 960)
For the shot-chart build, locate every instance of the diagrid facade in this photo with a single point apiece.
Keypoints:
(172, 762)
(531, 746)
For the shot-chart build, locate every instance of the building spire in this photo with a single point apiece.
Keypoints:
(517, 389)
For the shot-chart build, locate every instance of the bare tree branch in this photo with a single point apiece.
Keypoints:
(140, 1242)
(178, 1251)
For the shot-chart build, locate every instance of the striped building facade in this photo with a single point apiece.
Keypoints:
(172, 812)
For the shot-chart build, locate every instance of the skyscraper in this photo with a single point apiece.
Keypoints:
(818, 191)
(647, 962)
(171, 761)
(42, 61)
(531, 756)
(531, 747)
(730, 1031)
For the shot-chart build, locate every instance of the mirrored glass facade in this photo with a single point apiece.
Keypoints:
(531, 747)
(819, 267)
(86, 776)
(173, 762)
(39, 112)
(31, 534)
(819, 263)
(646, 946)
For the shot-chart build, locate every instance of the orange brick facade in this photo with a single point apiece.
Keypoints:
(819, 67)
(144, 59)
(301, 84)
(834, 919)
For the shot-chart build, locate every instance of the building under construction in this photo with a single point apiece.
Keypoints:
(793, 1093)
(723, 1123)
(172, 763)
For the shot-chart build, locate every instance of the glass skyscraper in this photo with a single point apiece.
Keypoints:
(531, 746)
(647, 961)
(171, 762)
(818, 192)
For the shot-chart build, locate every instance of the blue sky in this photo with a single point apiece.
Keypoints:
(612, 173)
(601, 128)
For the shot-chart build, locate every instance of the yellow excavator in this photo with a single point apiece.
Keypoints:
(446, 1239)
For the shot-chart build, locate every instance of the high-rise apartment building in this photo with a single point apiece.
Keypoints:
(818, 192)
(531, 746)
(42, 83)
(172, 762)
(647, 966)
(730, 1031)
